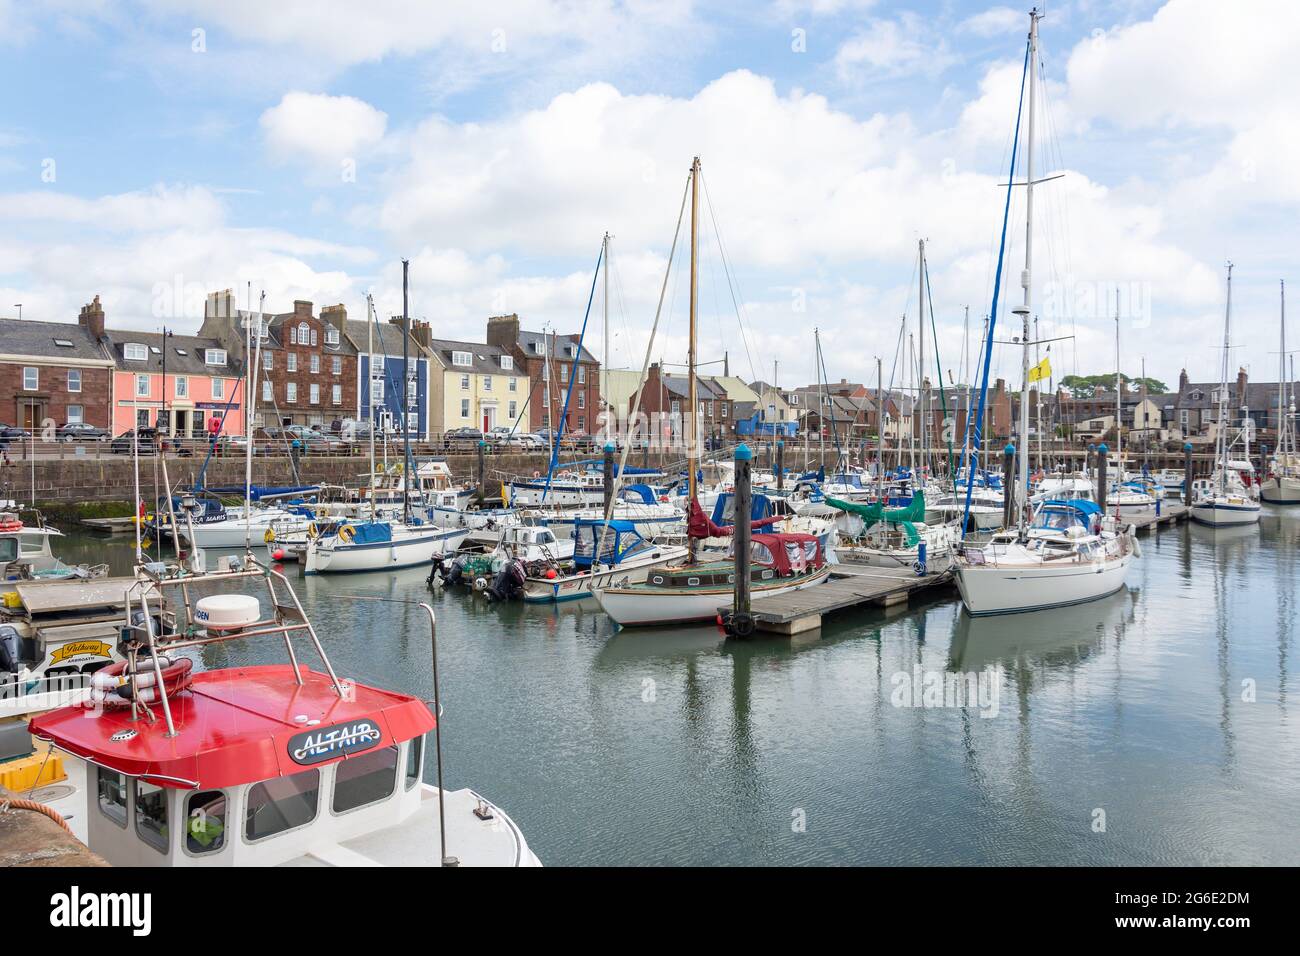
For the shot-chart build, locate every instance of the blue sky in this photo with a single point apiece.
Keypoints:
(493, 147)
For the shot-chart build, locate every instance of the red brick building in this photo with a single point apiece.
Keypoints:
(57, 372)
(549, 381)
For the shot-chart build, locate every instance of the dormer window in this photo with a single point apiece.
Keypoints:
(507, 361)
(570, 350)
(331, 335)
(464, 359)
(135, 352)
(537, 348)
(214, 357)
(63, 343)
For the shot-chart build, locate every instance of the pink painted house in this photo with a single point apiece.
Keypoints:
(183, 383)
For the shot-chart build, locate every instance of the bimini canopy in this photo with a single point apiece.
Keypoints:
(698, 524)
(638, 493)
(1065, 513)
(621, 539)
(788, 553)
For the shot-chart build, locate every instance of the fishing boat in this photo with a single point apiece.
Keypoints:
(692, 593)
(533, 541)
(1226, 500)
(1282, 484)
(625, 558)
(1064, 551)
(257, 765)
(26, 552)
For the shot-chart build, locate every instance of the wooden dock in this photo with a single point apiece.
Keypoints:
(1171, 512)
(110, 525)
(849, 586)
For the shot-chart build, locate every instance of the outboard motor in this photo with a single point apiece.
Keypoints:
(437, 569)
(11, 650)
(454, 574)
(508, 582)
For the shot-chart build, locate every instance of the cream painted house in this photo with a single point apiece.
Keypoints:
(474, 386)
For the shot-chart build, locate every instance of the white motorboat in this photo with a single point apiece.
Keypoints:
(1282, 484)
(377, 545)
(626, 558)
(532, 542)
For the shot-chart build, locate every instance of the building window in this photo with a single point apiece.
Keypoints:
(75, 416)
(582, 399)
(291, 392)
(266, 390)
(151, 815)
(292, 359)
(537, 348)
(74, 380)
(364, 779)
(582, 375)
(303, 330)
(313, 338)
(219, 388)
(564, 372)
(293, 335)
(31, 378)
(336, 365)
(507, 362)
(315, 393)
(142, 386)
(268, 360)
(63, 343)
(331, 335)
(570, 350)
(514, 384)
(487, 383)
(315, 363)
(205, 821)
(112, 795)
(182, 386)
(724, 410)
(214, 357)
(281, 804)
(135, 352)
(513, 411)
(412, 390)
(464, 359)
(464, 382)
(676, 407)
(336, 394)
(464, 408)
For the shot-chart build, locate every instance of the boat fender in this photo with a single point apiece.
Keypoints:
(346, 534)
(269, 536)
(1133, 540)
(480, 584)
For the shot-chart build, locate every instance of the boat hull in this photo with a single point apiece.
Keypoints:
(577, 587)
(1010, 589)
(1218, 514)
(1281, 491)
(403, 552)
(643, 607)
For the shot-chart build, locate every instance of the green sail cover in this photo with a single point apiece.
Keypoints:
(876, 512)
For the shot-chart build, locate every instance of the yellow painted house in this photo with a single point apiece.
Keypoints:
(473, 385)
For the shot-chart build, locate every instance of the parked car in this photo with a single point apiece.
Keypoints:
(466, 437)
(503, 436)
(275, 439)
(80, 431)
(13, 432)
(148, 439)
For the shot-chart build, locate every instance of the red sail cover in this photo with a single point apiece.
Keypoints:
(700, 525)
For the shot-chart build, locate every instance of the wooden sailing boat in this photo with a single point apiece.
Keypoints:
(694, 591)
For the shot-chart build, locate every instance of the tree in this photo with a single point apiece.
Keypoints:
(1082, 386)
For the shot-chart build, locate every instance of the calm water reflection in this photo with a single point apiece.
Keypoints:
(676, 746)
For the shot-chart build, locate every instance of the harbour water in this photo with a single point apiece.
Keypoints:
(1153, 727)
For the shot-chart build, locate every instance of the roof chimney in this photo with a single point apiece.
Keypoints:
(301, 309)
(92, 318)
(1241, 385)
(503, 330)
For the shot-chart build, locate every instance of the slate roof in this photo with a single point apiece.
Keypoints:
(26, 337)
(387, 338)
(191, 363)
(486, 358)
(705, 391)
(527, 339)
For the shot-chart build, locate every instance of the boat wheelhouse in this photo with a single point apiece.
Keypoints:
(625, 558)
(262, 765)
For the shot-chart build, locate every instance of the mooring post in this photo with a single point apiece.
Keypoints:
(482, 484)
(1008, 485)
(1187, 474)
(780, 465)
(742, 621)
(1102, 452)
(609, 476)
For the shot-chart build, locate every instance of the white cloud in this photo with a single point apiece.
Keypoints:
(892, 48)
(995, 21)
(322, 129)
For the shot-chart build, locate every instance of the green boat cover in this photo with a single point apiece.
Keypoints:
(875, 512)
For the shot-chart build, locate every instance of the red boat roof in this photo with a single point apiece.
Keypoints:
(239, 725)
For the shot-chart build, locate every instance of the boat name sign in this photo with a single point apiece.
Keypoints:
(326, 743)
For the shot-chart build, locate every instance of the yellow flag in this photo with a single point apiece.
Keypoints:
(1041, 371)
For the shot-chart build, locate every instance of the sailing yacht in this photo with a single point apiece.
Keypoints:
(1067, 552)
(1282, 486)
(1225, 501)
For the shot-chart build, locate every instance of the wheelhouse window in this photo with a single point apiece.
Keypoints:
(151, 815)
(364, 779)
(112, 795)
(205, 821)
(282, 804)
(414, 751)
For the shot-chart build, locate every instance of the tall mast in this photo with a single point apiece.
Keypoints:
(1281, 387)
(408, 476)
(604, 368)
(921, 382)
(1119, 401)
(370, 392)
(1221, 440)
(1026, 277)
(692, 437)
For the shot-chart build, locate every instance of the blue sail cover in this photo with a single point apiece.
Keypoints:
(372, 532)
(724, 509)
(644, 492)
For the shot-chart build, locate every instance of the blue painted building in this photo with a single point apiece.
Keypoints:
(380, 374)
